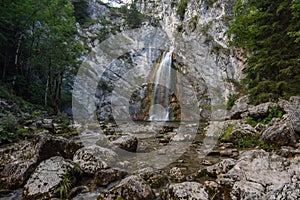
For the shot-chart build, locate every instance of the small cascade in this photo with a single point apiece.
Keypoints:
(159, 110)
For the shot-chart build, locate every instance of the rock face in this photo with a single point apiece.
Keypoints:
(94, 158)
(204, 27)
(49, 178)
(132, 187)
(257, 173)
(186, 190)
(28, 155)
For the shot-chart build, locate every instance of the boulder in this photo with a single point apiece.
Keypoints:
(186, 190)
(126, 142)
(246, 190)
(25, 157)
(287, 191)
(257, 172)
(280, 134)
(156, 179)
(261, 110)
(240, 106)
(52, 178)
(106, 176)
(220, 168)
(243, 131)
(132, 187)
(177, 174)
(94, 158)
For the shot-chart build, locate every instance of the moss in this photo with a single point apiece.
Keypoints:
(227, 133)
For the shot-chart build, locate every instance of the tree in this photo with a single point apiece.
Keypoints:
(264, 28)
(40, 47)
(134, 18)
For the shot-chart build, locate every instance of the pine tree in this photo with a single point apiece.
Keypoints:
(264, 28)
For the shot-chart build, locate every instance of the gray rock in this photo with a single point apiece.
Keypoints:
(186, 190)
(94, 158)
(229, 153)
(25, 157)
(240, 106)
(132, 187)
(106, 176)
(289, 191)
(49, 177)
(176, 174)
(127, 142)
(280, 134)
(155, 179)
(243, 131)
(257, 172)
(221, 168)
(246, 190)
(261, 110)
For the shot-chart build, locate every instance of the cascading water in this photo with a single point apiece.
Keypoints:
(159, 110)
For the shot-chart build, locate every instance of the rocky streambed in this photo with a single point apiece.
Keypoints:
(162, 160)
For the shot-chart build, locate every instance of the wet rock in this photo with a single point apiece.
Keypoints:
(280, 134)
(48, 178)
(240, 106)
(47, 146)
(261, 110)
(132, 187)
(78, 190)
(25, 157)
(257, 172)
(221, 168)
(177, 174)
(186, 190)
(153, 178)
(94, 158)
(106, 176)
(126, 142)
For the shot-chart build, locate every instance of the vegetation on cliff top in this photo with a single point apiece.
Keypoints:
(270, 32)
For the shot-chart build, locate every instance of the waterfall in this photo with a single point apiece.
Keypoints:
(159, 110)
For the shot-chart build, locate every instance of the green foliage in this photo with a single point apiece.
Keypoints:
(81, 11)
(268, 29)
(38, 48)
(65, 186)
(273, 112)
(227, 133)
(134, 18)
(231, 100)
(181, 9)
(253, 142)
(7, 128)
